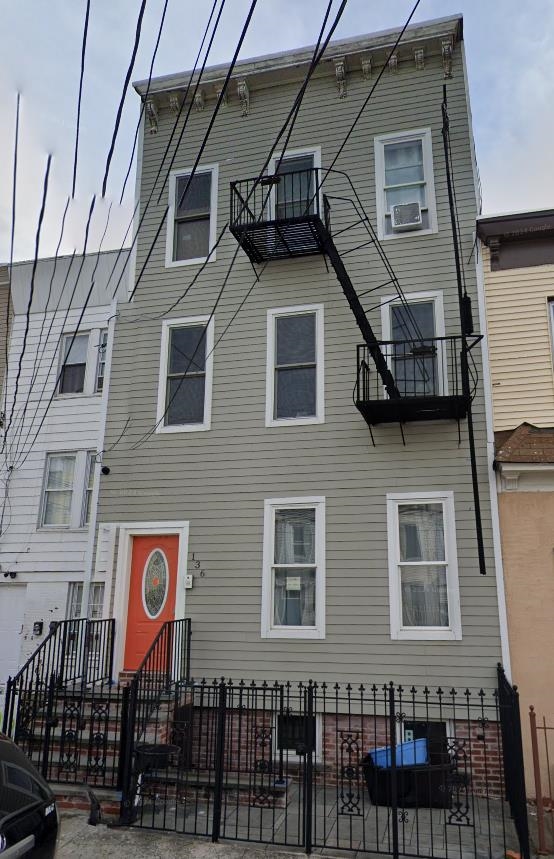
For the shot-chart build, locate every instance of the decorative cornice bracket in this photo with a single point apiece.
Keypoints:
(151, 115)
(393, 64)
(494, 250)
(340, 74)
(419, 59)
(366, 68)
(174, 102)
(199, 101)
(218, 89)
(244, 96)
(447, 48)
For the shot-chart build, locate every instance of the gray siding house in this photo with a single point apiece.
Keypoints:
(305, 534)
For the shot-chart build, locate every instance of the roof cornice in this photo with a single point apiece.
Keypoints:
(435, 37)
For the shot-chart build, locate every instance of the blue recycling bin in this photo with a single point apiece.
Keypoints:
(419, 784)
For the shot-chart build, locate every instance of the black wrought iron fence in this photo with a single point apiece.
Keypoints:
(512, 751)
(376, 769)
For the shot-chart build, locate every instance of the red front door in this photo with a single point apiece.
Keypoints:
(152, 590)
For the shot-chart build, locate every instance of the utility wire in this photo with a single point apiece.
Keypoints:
(83, 52)
(31, 295)
(12, 237)
(168, 144)
(135, 139)
(123, 95)
(293, 115)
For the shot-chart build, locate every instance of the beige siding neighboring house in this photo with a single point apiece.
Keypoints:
(518, 263)
(253, 472)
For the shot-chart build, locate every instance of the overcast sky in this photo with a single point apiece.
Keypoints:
(510, 51)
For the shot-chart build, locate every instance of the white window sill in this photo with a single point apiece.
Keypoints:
(404, 234)
(294, 632)
(178, 263)
(426, 634)
(83, 395)
(64, 528)
(173, 428)
(294, 422)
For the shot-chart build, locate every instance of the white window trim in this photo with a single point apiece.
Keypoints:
(412, 298)
(204, 168)
(90, 471)
(398, 632)
(272, 315)
(91, 367)
(268, 630)
(98, 348)
(423, 134)
(295, 153)
(77, 491)
(167, 325)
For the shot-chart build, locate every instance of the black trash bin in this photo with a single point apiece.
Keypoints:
(417, 786)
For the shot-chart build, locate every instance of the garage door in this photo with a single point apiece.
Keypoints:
(12, 603)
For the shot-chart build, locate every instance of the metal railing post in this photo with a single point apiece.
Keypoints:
(188, 645)
(125, 777)
(538, 784)
(393, 773)
(7, 707)
(48, 725)
(219, 761)
(308, 767)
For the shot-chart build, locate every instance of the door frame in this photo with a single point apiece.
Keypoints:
(123, 574)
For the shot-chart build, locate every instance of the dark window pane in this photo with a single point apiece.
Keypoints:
(192, 239)
(72, 380)
(292, 729)
(197, 198)
(416, 320)
(295, 393)
(185, 399)
(296, 189)
(295, 339)
(185, 343)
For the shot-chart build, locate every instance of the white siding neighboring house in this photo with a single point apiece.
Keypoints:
(49, 461)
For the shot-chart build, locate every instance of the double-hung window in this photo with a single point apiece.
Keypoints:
(58, 489)
(67, 489)
(73, 364)
(101, 360)
(185, 384)
(416, 351)
(294, 389)
(192, 216)
(423, 575)
(404, 174)
(293, 584)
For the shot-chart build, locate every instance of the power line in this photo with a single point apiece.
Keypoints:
(12, 237)
(31, 294)
(83, 52)
(123, 95)
(135, 139)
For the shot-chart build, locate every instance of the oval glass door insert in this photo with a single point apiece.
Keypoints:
(155, 583)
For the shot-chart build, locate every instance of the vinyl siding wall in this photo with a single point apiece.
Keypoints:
(218, 480)
(520, 344)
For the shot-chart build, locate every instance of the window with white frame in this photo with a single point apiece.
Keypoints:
(293, 584)
(294, 388)
(73, 364)
(185, 384)
(418, 360)
(423, 574)
(89, 486)
(404, 175)
(295, 193)
(192, 216)
(101, 361)
(75, 600)
(66, 487)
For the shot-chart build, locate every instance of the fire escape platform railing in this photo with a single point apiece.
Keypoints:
(427, 373)
(279, 217)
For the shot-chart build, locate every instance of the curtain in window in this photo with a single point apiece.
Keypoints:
(423, 572)
(59, 490)
(294, 586)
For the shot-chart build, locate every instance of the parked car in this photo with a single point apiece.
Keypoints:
(28, 814)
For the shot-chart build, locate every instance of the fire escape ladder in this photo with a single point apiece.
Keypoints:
(351, 295)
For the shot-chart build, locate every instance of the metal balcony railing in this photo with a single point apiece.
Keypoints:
(278, 216)
(428, 376)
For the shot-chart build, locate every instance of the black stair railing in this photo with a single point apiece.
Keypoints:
(78, 650)
(164, 669)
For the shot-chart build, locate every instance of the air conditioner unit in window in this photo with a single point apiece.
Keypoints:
(406, 216)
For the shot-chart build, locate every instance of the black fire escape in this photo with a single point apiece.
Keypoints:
(411, 379)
